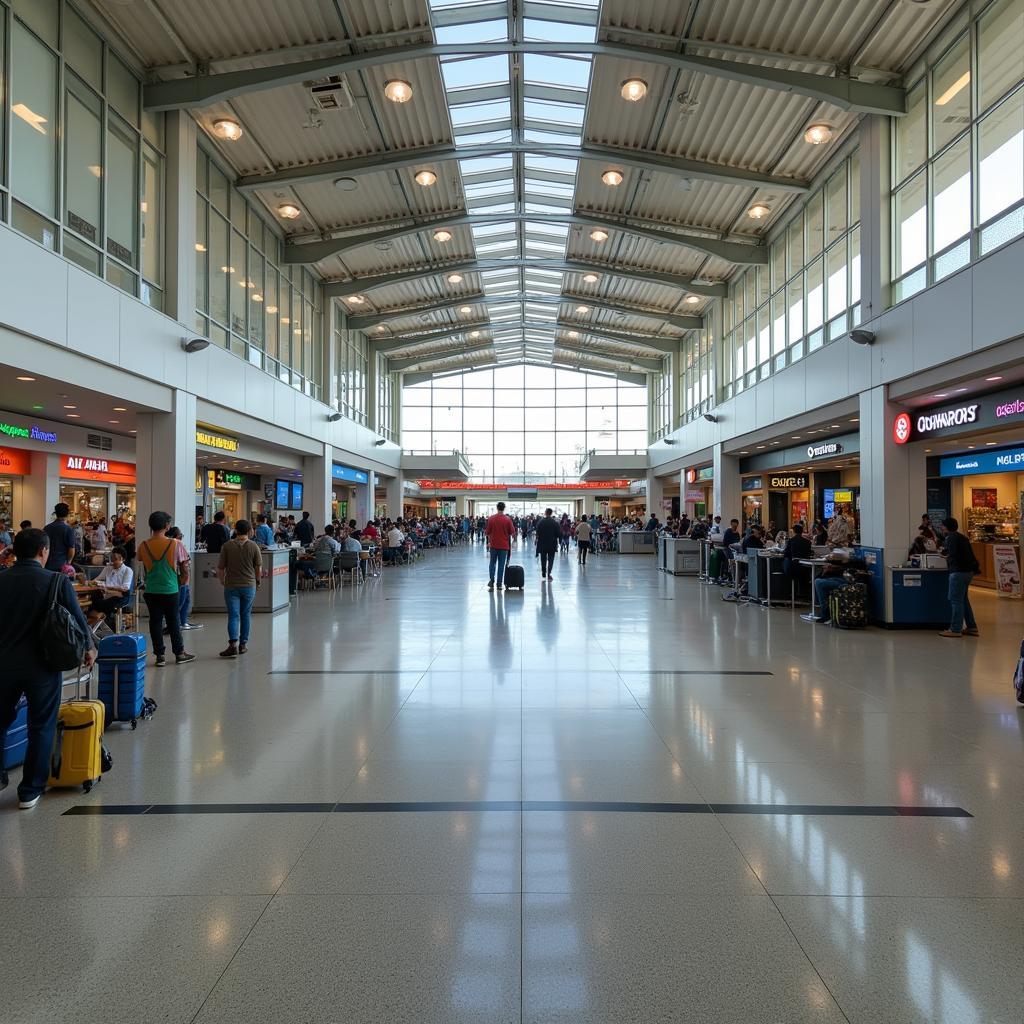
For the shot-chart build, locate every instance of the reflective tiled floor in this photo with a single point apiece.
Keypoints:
(614, 683)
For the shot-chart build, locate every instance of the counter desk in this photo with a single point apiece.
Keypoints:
(208, 594)
(636, 542)
(679, 556)
(917, 597)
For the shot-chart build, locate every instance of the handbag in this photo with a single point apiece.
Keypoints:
(62, 640)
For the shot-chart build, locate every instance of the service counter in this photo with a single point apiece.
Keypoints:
(637, 543)
(679, 556)
(208, 594)
(917, 597)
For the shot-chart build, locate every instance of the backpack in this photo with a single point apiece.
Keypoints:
(62, 640)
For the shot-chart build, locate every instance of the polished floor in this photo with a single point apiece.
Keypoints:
(612, 799)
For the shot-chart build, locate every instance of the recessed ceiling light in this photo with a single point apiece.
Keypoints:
(72, 415)
(289, 211)
(590, 278)
(380, 328)
(200, 247)
(70, 406)
(442, 236)
(120, 408)
(256, 297)
(398, 91)
(132, 431)
(598, 235)
(346, 184)
(990, 444)
(225, 128)
(426, 178)
(818, 134)
(633, 89)
(612, 178)
(758, 211)
(692, 300)
(574, 334)
(355, 300)
(927, 449)
(941, 394)
(38, 408)
(271, 309)
(582, 309)
(26, 379)
(960, 391)
(835, 426)
(465, 309)
(761, 446)
(474, 334)
(795, 437)
(454, 278)
(970, 446)
(114, 421)
(855, 420)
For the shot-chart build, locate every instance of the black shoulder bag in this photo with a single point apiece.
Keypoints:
(62, 641)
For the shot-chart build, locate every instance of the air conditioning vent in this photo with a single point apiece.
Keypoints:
(331, 93)
(100, 442)
(956, 119)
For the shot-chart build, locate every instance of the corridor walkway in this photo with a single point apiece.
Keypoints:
(610, 799)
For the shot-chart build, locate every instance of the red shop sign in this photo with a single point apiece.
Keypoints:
(15, 462)
(88, 467)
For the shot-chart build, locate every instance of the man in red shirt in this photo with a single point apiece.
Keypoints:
(499, 532)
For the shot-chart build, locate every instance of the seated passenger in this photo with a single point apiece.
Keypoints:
(797, 547)
(116, 580)
(840, 561)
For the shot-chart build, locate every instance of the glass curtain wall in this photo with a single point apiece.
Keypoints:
(85, 174)
(661, 402)
(807, 295)
(386, 408)
(697, 370)
(958, 155)
(246, 301)
(352, 368)
(527, 423)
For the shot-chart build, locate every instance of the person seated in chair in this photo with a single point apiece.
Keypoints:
(796, 548)
(116, 581)
(840, 562)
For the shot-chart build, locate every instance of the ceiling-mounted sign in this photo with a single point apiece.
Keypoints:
(928, 423)
(15, 462)
(355, 476)
(1005, 460)
(787, 482)
(752, 483)
(221, 442)
(88, 467)
(32, 433)
(823, 450)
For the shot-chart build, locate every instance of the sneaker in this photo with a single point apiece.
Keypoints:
(813, 618)
(971, 631)
(180, 659)
(500, 587)
(490, 586)
(231, 651)
(242, 648)
(192, 625)
(27, 805)
(949, 632)
(551, 579)
(160, 661)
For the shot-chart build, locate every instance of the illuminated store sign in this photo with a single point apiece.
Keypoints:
(1007, 460)
(87, 467)
(355, 476)
(959, 416)
(580, 485)
(32, 433)
(221, 442)
(962, 418)
(15, 462)
(787, 482)
(817, 451)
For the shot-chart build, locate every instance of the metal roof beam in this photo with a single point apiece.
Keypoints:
(422, 378)
(651, 365)
(680, 167)
(734, 252)
(359, 285)
(848, 94)
(398, 365)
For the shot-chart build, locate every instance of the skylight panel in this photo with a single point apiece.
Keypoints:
(564, 71)
(490, 230)
(543, 287)
(540, 164)
(550, 230)
(557, 189)
(536, 274)
(480, 113)
(499, 247)
(484, 189)
(474, 32)
(554, 138)
(473, 72)
(558, 31)
(548, 112)
(485, 165)
(471, 136)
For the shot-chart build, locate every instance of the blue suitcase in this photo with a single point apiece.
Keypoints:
(121, 661)
(16, 741)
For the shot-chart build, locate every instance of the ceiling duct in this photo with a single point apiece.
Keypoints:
(331, 93)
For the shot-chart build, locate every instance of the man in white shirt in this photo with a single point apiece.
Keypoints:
(116, 580)
(395, 541)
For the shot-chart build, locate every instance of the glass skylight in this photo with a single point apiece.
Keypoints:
(472, 32)
(473, 72)
(480, 113)
(567, 72)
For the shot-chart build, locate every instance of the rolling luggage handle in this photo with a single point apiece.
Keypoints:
(56, 753)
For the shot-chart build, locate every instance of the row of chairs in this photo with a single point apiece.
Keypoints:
(331, 571)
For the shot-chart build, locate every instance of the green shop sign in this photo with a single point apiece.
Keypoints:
(32, 433)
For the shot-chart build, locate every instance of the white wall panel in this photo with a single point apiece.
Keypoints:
(93, 316)
(33, 289)
(997, 310)
(943, 322)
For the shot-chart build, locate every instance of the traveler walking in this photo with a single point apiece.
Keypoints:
(239, 570)
(61, 538)
(963, 565)
(565, 532)
(548, 538)
(24, 600)
(166, 564)
(583, 535)
(499, 531)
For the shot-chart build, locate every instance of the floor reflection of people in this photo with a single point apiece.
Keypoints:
(500, 646)
(547, 619)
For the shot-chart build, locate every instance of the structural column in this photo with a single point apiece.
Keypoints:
(726, 495)
(874, 216)
(180, 230)
(318, 483)
(395, 495)
(365, 499)
(655, 494)
(893, 478)
(40, 491)
(165, 456)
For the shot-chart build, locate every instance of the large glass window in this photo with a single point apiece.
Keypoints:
(966, 115)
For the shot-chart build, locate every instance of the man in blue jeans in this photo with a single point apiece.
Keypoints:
(239, 570)
(962, 568)
(499, 532)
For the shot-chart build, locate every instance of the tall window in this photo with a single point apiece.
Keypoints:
(525, 422)
(246, 301)
(808, 293)
(386, 409)
(91, 150)
(697, 371)
(661, 403)
(958, 155)
(352, 371)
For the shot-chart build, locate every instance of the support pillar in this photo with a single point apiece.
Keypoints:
(726, 493)
(655, 494)
(874, 216)
(395, 495)
(165, 456)
(364, 500)
(317, 485)
(40, 491)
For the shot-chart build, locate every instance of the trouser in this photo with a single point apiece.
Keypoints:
(497, 563)
(184, 604)
(584, 547)
(962, 612)
(547, 562)
(107, 605)
(164, 606)
(43, 695)
(239, 601)
(823, 586)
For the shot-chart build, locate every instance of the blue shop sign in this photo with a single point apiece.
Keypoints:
(355, 476)
(1006, 460)
(283, 492)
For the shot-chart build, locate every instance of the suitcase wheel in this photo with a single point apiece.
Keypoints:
(135, 724)
(87, 785)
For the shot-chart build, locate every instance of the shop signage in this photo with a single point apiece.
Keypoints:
(1007, 570)
(32, 433)
(788, 482)
(356, 476)
(901, 428)
(959, 416)
(15, 462)
(219, 441)
(752, 483)
(227, 480)
(85, 467)
(817, 451)
(694, 496)
(282, 494)
(1004, 461)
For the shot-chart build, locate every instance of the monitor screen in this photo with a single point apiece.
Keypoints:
(282, 492)
(296, 504)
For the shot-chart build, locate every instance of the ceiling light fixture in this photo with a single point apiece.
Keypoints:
(70, 406)
(113, 421)
(289, 211)
(590, 278)
(692, 300)
(633, 89)
(355, 300)
(26, 379)
(426, 178)
(574, 334)
(454, 278)
(465, 309)
(271, 309)
(612, 178)
(598, 235)
(346, 184)
(73, 416)
(225, 128)
(200, 247)
(398, 91)
(582, 309)
(818, 134)
(194, 345)
(474, 334)
(120, 408)
(758, 211)
(442, 236)
(987, 378)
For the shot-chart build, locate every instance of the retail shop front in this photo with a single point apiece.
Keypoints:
(801, 484)
(700, 481)
(344, 500)
(96, 488)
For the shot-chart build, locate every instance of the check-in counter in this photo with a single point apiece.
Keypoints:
(208, 594)
(637, 543)
(917, 597)
(679, 556)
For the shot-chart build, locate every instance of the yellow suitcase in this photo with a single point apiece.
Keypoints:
(79, 757)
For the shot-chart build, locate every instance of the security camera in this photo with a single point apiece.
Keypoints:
(334, 417)
(380, 441)
(671, 440)
(710, 417)
(861, 337)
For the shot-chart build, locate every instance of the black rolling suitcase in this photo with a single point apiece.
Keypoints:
(515, 577)
(848, 606)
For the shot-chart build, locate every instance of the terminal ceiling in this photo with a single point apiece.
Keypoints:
(514, 115)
